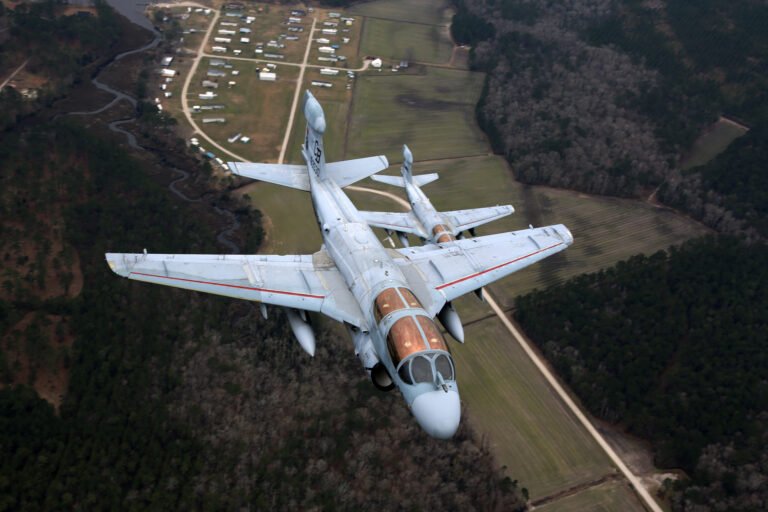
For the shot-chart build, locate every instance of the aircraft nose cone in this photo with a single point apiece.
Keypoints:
(438, 413)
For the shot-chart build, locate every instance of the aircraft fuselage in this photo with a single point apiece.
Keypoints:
(377, 283)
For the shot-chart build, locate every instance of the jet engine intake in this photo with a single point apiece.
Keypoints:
(367, 355)
(381, 378)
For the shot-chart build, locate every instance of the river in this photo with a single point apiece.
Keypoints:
(135, 13)
(132, 10)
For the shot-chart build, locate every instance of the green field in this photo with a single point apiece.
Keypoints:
(527, 427)
(432, 112)
(431, 12)
(607, 497)
(394, 41)
(289, 222)
(711, 143)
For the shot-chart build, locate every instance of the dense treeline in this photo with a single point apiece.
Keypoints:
(556, 106)
(729, 193)
(113, 444)
(674, 347)
(604, 96)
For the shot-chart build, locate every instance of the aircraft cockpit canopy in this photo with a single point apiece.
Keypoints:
(425, 366)
(419, 351)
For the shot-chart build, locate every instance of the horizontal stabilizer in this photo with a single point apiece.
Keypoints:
(404, 222)
(292, 176)
(397, 181)
(468, 219)
(347, 172)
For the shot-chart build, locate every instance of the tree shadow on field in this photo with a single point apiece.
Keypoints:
(416, 101)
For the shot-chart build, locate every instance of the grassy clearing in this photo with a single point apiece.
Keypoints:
(606, 230)
(711, 143)
(254, 108)
(607, 497)
(397, 40)
(289, 220)
(529, 430)
(433, 112)
(335, 101)
(415, 11)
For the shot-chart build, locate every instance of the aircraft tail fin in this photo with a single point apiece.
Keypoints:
(405, 170)
(313, 150)
(408, 176)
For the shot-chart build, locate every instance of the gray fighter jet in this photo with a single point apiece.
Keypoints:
(386, 298)
(424, 220)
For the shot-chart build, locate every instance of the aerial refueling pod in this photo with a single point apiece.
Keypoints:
(451, 321)
(301, 329)
(367, 354)
(403, 239)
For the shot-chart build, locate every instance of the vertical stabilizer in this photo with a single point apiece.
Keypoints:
(313, 150)
(407, 163)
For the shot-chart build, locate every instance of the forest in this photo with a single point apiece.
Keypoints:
(168, 399)
(605, 96)
(62, 49)
(672, 346)
(730, 191)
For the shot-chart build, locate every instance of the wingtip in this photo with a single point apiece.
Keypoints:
(116, 264)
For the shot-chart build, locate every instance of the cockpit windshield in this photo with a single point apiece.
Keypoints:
(387, 302)
(425, 366)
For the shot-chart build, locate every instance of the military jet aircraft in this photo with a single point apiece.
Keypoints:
(424, 220)
(385, 298)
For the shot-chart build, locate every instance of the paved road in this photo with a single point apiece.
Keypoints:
(638, 486)
(297, 94)
(13, 74)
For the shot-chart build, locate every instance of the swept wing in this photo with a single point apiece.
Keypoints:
(443, 273)
(344, 173)
(308, 282)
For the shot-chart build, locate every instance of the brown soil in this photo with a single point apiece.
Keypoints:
(50, 380)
